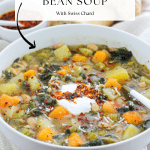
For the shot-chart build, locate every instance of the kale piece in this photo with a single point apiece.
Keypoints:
(45, 77)
(68, 78)
(82, 75)
(46, 99)
(7, 75)
(101, 47)
(36, 112)
(94, 79)
(67, 132)
(25, 85)
(124, 109)
(121, 55)
(146, 124)
(102, 80)
(96, 142)
(56, 67)
(16, 60)
(58, 136)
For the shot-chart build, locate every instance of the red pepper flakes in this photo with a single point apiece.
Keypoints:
(11, 16)
(83, 119)
(19, 80)
(82, 90)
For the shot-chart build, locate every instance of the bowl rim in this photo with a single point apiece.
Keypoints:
(23, 30)
(67, 147)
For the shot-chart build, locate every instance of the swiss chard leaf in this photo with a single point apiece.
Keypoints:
(121, 55)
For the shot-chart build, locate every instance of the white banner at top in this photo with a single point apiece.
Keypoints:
(76, 10)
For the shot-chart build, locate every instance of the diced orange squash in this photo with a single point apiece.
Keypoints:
(133, 117)
(99, 56)
(6, 100)
(74, 140)
(59, 112)
(79, 58)
(46, 134)
(67, 69)
(62, 72)
(108, 107)
(29, 73)
(111, 82)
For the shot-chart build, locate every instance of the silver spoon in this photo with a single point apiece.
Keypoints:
(145, 101)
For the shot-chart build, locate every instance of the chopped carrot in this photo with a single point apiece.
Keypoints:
(108, 107)
(46, 134)
(6, 100)
(74, 140)
(29, 73)
(133, 117)
(59, 112)
(62, 72)
(67, 69)
(111, 82)
(99, 56)
(79, 58)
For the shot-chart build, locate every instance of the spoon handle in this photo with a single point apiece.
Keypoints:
(145, 101)
(9, 23)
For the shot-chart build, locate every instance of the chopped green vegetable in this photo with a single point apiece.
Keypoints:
(99, 66)
(27, 132)
(92, 136)
(86, 52)
(16, 60)
(18, 114)
(108, 139)
(143, 79)
(101, 132)
(113, 117)
(121, 55)
(130, 131)
(7, 74)
(28, 58)
(96, 142)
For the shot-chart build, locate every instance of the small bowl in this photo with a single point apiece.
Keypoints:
(12, 35)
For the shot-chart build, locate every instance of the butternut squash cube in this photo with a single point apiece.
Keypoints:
(74, 140)
(113, 83)
(46, 134)
(59, 112)
(6, 100)
(79, 58)
(133, 117)
(108, 107)
(29, 73)
(99, 56)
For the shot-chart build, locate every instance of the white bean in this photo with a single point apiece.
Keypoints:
(26, 98)
(59, 45)
(31, 121)
(92, 46)
(142, 84)
(95, 108)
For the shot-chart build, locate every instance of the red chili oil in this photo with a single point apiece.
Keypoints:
(11, 17)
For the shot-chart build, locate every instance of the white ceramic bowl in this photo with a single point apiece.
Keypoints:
(12, 35)
(74, 34)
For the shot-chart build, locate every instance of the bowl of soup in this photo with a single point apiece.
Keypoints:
(7, 12)
(67, 92)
